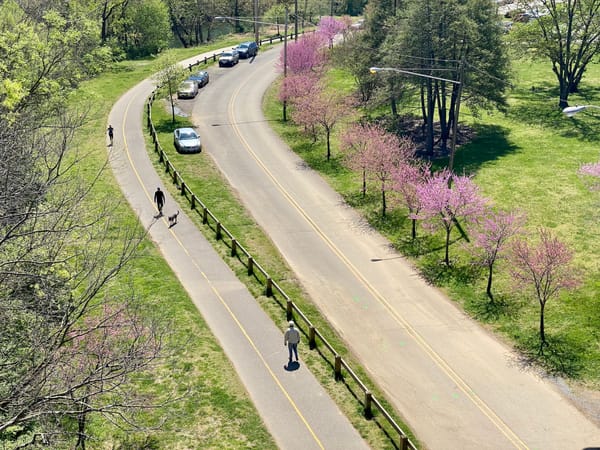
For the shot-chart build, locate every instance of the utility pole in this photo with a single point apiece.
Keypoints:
(285, 33)
(256, 25)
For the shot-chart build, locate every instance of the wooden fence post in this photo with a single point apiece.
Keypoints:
(368, 401)
(312, 342)
(193, 201)
(250, 265)
(205, 215)
(337, 368)
(288, 309)
(218, 234)
(269, 290)
(403, 443)
(233, 247)
(182, 187)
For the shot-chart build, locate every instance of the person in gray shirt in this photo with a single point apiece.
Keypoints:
(291, 339)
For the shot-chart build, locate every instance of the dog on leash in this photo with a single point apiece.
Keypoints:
(173, 219)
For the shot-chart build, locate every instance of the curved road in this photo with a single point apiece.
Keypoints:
(296, 410)
(456, 385)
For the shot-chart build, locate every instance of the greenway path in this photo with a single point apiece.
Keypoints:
(457, 386)
(296, 410)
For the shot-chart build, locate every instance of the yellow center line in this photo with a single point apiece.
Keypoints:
(215, 290)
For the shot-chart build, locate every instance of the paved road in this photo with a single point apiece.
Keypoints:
(457, 386)
(297, 411)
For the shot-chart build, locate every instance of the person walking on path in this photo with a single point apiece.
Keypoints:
(111, 134)
(159, 199)
(291, 339)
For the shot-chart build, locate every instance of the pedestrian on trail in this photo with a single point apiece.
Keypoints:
(159, 199)
(111, 134)
(291, 339)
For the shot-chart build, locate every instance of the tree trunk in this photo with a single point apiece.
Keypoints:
(489, 283)
(383, 203)
(542, 331)
(430, 113)
(328, 133)
(364, 183)
(414, 229)
(447, 257)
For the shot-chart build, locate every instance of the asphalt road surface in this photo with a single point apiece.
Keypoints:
(457, 386)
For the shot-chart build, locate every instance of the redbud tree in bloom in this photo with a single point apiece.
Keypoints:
(325, 109)
(545, 267)
(491, 237)
(406, 178)
(377, 153)
(442, 206)
(307, 54)
(330, 27)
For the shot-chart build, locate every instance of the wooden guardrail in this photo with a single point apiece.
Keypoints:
(272, 289)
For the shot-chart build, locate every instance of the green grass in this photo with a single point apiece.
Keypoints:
(204, 408)
(527, 160)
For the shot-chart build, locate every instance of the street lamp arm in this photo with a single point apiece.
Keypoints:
(417, 74)
(570, 111)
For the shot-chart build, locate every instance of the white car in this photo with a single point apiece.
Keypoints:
(186, 140)
(230, 58)
(187, 89)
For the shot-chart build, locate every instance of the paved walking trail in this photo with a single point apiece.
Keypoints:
(297, 411)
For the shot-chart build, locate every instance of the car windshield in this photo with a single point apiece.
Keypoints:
(243, 45)
(227, 54)
(199, 75)
(187, 135)
(186, 85)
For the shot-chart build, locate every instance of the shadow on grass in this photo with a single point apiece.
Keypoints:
(436, 272)
(561, 356)
(491, 143)
(167, 125)
(487, 310)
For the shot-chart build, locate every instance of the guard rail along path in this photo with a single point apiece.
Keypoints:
(272, 289)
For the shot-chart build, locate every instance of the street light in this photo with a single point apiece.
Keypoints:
(458, 82)
(570, 111)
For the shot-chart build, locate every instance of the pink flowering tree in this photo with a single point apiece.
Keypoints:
(324, 109)
(443, 206)
(307, 54)
(330, 27)
(299, 85)
(100, 356)
(406, 178)
(377, 153)
(491, 237)
(593, 170)
(546, 268)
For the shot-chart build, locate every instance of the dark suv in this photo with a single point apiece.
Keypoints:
(247, 49)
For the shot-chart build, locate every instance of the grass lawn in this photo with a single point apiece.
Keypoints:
(526, 159)
(211, 407)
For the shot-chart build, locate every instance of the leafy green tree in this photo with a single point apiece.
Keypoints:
(146, 28)
(459, 40)
(567, 34)
(168, 77)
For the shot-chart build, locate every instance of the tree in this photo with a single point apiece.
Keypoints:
(305, 55)
(492, 235)
(377, 153)
(459, 40)
(60, 244)
(566, 33)
(406, 179)
(324, 109)
(545, 267)
(145, 29)
(443, 205)
(330, 27)
(168, 78)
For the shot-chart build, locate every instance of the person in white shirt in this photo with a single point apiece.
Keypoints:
(291, 339)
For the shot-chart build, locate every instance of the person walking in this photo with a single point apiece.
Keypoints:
(159, 199)
(291, 339)
(111, 134)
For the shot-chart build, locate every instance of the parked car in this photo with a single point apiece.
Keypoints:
(201, 78)
(230, 58)
(247, 49)
(186, 140)
(187, 89)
